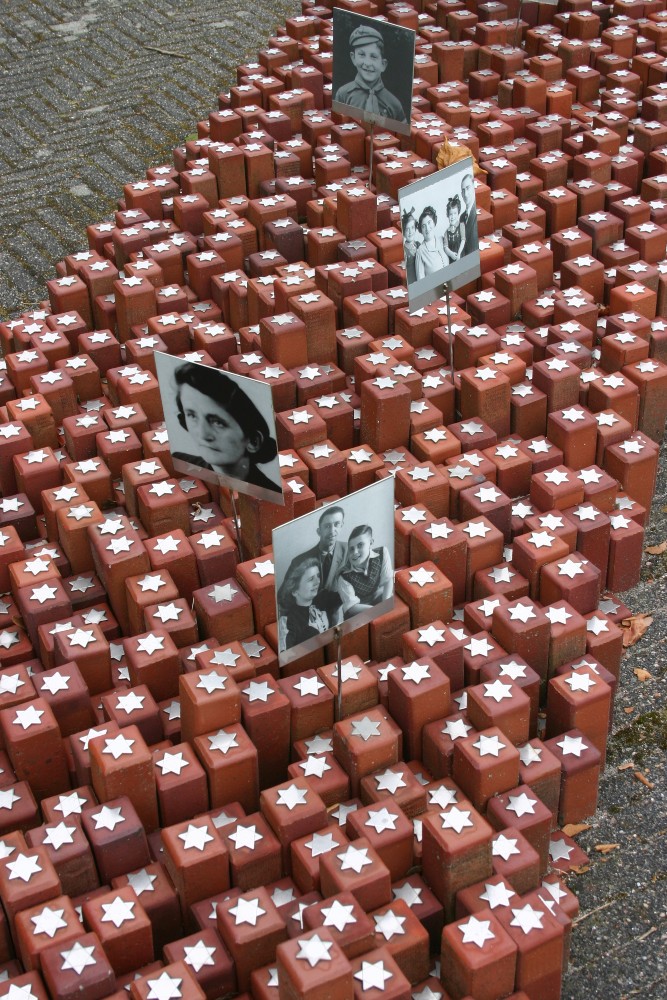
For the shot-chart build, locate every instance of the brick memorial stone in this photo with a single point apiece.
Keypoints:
(117, 837)
(251, 928)
(177, 978)
(123, 765)
(478, 956)
(155, 891)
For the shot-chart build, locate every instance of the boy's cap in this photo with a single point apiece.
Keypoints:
(364, 35)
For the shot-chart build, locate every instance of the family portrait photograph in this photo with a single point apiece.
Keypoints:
(334, 566)
(221, 427)
(440, 240)
(373, 65)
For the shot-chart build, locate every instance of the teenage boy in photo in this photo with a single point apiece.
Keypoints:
(367, 91)
(366, 577)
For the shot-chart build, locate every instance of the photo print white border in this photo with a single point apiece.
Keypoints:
(434, 192)
(298, 540)
(181, 443)
(399, 52)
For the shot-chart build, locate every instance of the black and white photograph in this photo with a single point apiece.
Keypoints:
(221, 426)
(440, 240)
(373, 64)
(334, 566)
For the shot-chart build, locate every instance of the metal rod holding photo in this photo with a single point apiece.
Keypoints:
(370, 156)
(334, 569)
(450, 335)
(373, 65)
(237, 527)
(518, 23)
(440, 239)
(221, 427)
(338, 638)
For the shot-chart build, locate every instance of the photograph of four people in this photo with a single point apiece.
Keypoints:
(438, 216)
(430, 242)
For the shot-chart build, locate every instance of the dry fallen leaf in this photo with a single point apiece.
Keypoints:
(572, 829)
(644, 780)
(656, 550)
(580, 869)
(634, 628)
(642, 674)
(625, 767)
(629, 709)
(606, 848)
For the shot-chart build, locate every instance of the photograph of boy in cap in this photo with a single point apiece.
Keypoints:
(368, 50)
(367, 91)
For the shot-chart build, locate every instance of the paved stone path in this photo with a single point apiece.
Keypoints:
(86, 104)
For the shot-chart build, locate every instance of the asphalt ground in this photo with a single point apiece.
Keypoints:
(88, 102)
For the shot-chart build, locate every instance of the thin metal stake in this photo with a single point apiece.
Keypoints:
(370, 159)
(237, 527)
(338, 636)
(518, 21)
(451, 335)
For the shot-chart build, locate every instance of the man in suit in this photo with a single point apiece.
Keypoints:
(469, 216)
(329, 551)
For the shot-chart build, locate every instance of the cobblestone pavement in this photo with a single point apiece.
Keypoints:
(88, 102)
